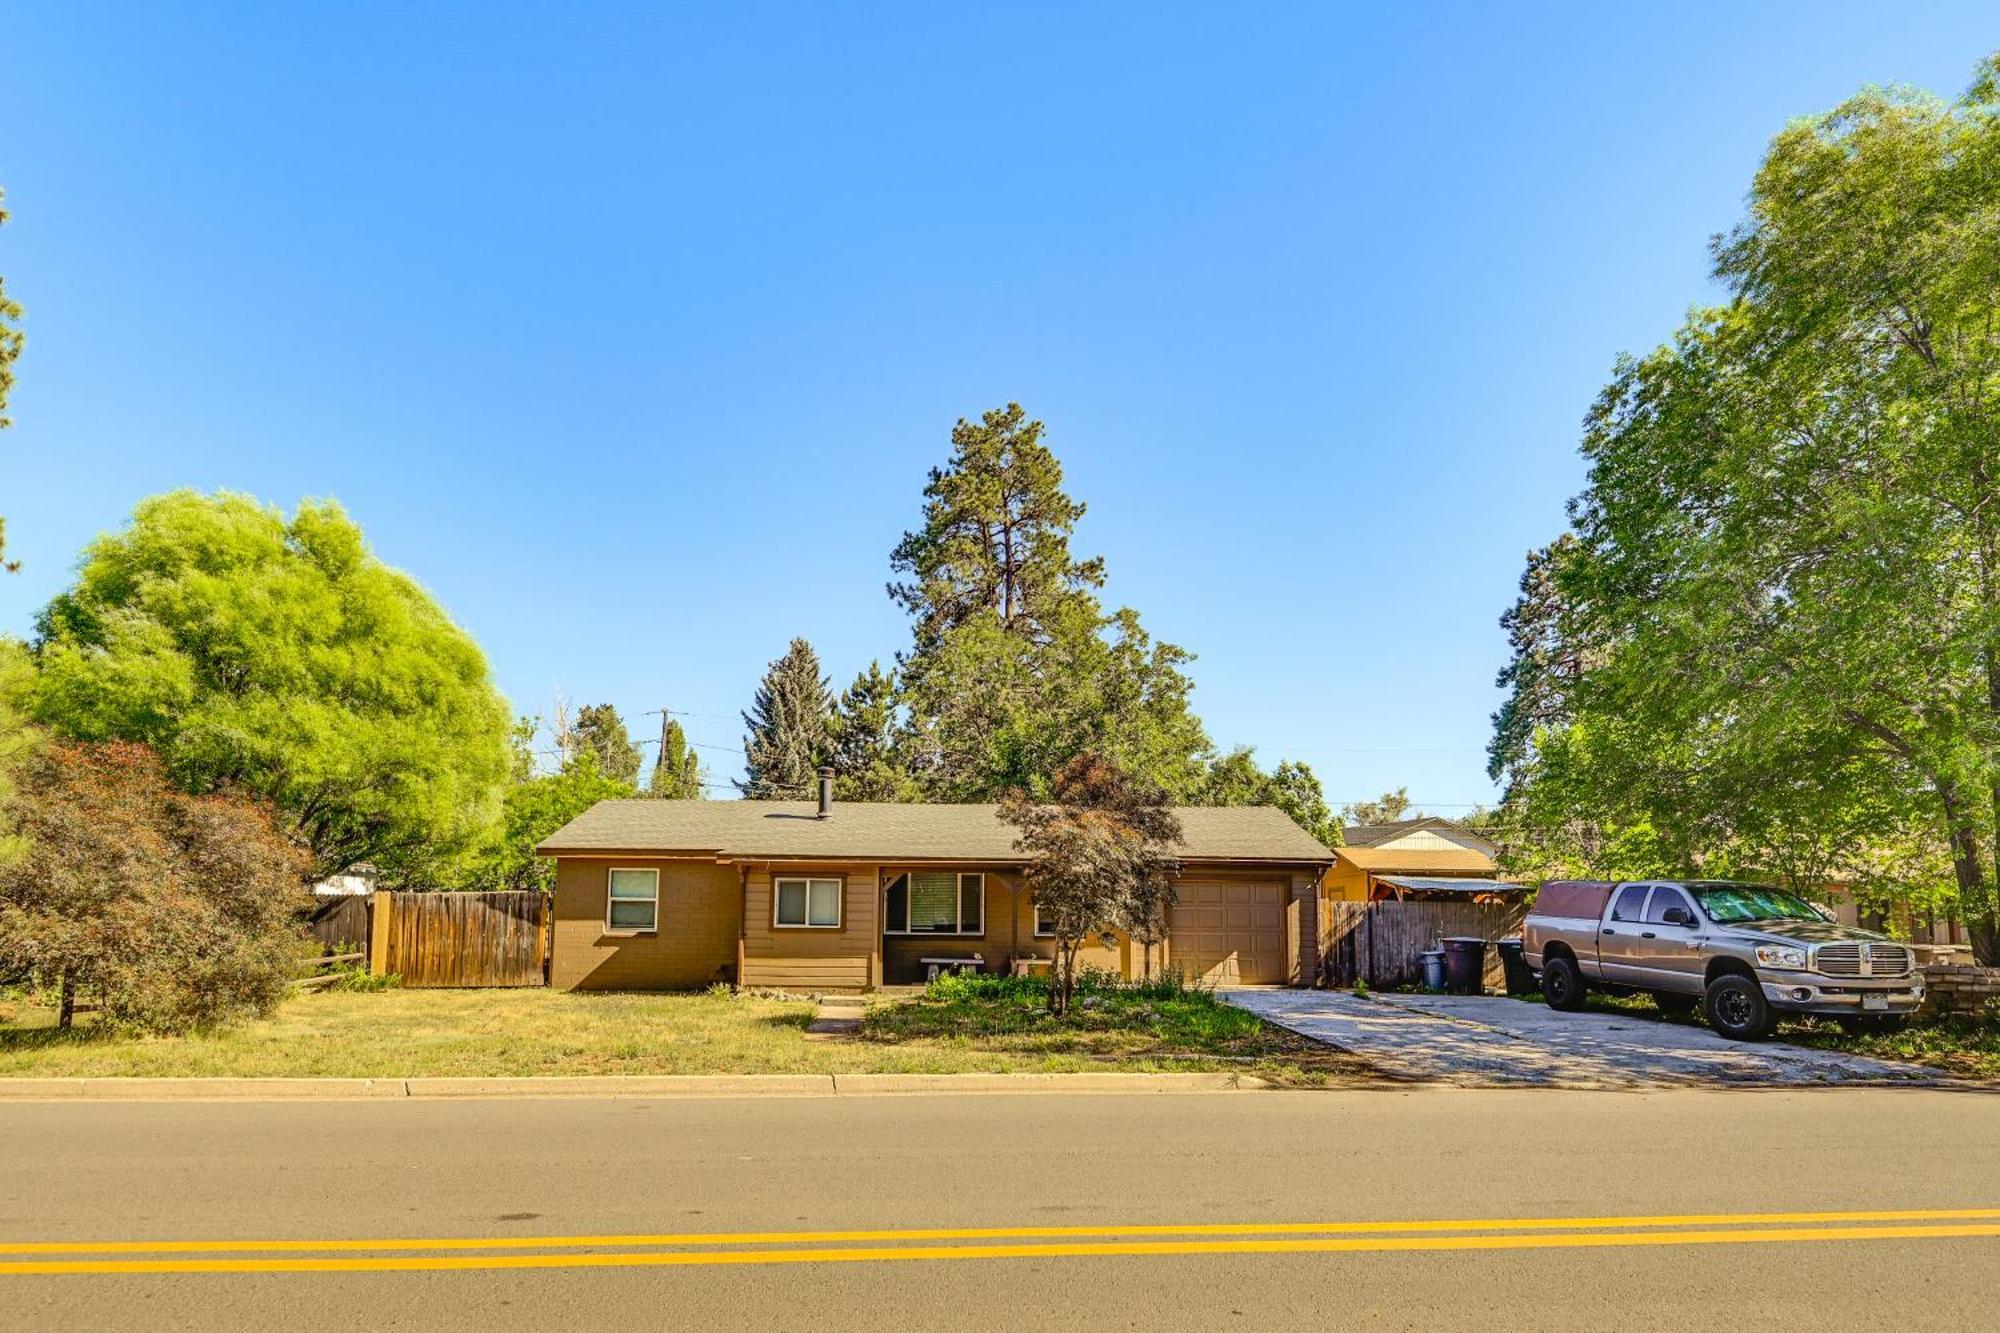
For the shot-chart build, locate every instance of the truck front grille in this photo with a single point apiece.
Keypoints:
(1889, 960)
(1857, 960)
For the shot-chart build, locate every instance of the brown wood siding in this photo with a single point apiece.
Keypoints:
(812, 958)
(694, 946)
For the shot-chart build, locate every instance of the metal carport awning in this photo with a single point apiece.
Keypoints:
(1431, 884)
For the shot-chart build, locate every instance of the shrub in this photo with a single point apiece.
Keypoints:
(176, 911)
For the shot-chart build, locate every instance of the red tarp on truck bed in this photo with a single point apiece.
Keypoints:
(1573, 898)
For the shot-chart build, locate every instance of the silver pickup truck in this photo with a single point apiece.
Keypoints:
(1744, 952)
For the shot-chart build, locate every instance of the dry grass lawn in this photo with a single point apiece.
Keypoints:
(418, 1033)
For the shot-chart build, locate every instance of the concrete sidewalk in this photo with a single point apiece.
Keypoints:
(1483, 1040)
(608, 1086)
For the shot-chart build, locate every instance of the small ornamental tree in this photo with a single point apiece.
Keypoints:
(1100, 858)
(174, 911)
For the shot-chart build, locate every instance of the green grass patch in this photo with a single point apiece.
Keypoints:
(1162, 1024)
(1966, 1048)
(473, 1033)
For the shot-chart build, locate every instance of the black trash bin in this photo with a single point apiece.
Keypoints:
(1520, 979)
(1464, 964)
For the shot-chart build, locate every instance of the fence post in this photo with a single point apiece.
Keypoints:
(378, 933)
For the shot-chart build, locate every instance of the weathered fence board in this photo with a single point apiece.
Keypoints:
(464, 939)
(338, 921)
(1378, 943)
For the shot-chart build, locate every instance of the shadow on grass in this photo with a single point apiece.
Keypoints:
(14, 1039)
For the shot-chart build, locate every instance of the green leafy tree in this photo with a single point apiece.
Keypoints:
(531, 811)
(282, 659)
(1785, 593)
(599, 732)
(677, 773)
(1235, 779)
(175, 911)
(12, 340)
(1100, 857)
(866, 737)
(1015, 667)
(1387, 808)
(789, 727)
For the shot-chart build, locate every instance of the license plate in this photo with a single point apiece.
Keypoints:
(1874, 1002)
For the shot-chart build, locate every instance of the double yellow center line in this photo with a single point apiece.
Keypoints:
(701, 1249)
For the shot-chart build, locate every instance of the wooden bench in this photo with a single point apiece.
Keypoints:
(933, 966)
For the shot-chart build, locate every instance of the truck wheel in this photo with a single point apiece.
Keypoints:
(1562, 985)
(1673, 1004)
(1737, 1009)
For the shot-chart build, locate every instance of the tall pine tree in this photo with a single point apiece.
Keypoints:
(600, 732)
(866, 756)
(677, 774)
(789, 732)
(1016, 667)
(995, 539)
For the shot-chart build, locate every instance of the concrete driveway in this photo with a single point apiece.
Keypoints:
(1489, 1039)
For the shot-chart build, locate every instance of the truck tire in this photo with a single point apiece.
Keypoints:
(1737, 1009)
(1562, 984)
(1674, 1004)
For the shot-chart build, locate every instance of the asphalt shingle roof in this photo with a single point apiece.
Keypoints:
(862, 831)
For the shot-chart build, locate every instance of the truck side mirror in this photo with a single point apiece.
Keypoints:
(1678, 916)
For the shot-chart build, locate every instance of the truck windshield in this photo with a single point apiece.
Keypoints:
(1753, 902)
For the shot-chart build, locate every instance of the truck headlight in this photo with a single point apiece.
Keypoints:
(1781, 955)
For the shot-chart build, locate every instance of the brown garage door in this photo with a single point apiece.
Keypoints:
(1229, 934)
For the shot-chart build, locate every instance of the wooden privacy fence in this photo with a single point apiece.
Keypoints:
(1378, 943)
(338, 921)
(460, 939)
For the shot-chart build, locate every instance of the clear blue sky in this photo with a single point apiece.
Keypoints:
(631, 331)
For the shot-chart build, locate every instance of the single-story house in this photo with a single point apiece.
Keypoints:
(1422, 859)
(798, 895)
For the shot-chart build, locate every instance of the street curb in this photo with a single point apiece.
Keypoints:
(885, 1084)
(604, 1086)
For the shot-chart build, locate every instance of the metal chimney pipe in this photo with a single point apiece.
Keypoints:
(825, 792)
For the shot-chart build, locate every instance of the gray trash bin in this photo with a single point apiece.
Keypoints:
(1433, 965)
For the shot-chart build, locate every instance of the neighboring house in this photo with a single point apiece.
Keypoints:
(1426, 858)
(665, 895)
(356, 883)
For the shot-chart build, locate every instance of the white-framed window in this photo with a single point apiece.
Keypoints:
(935, 902)
(632, 905)
(806, 902)
(1044, 927)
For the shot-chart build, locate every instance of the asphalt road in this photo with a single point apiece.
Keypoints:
(1113, 1212)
